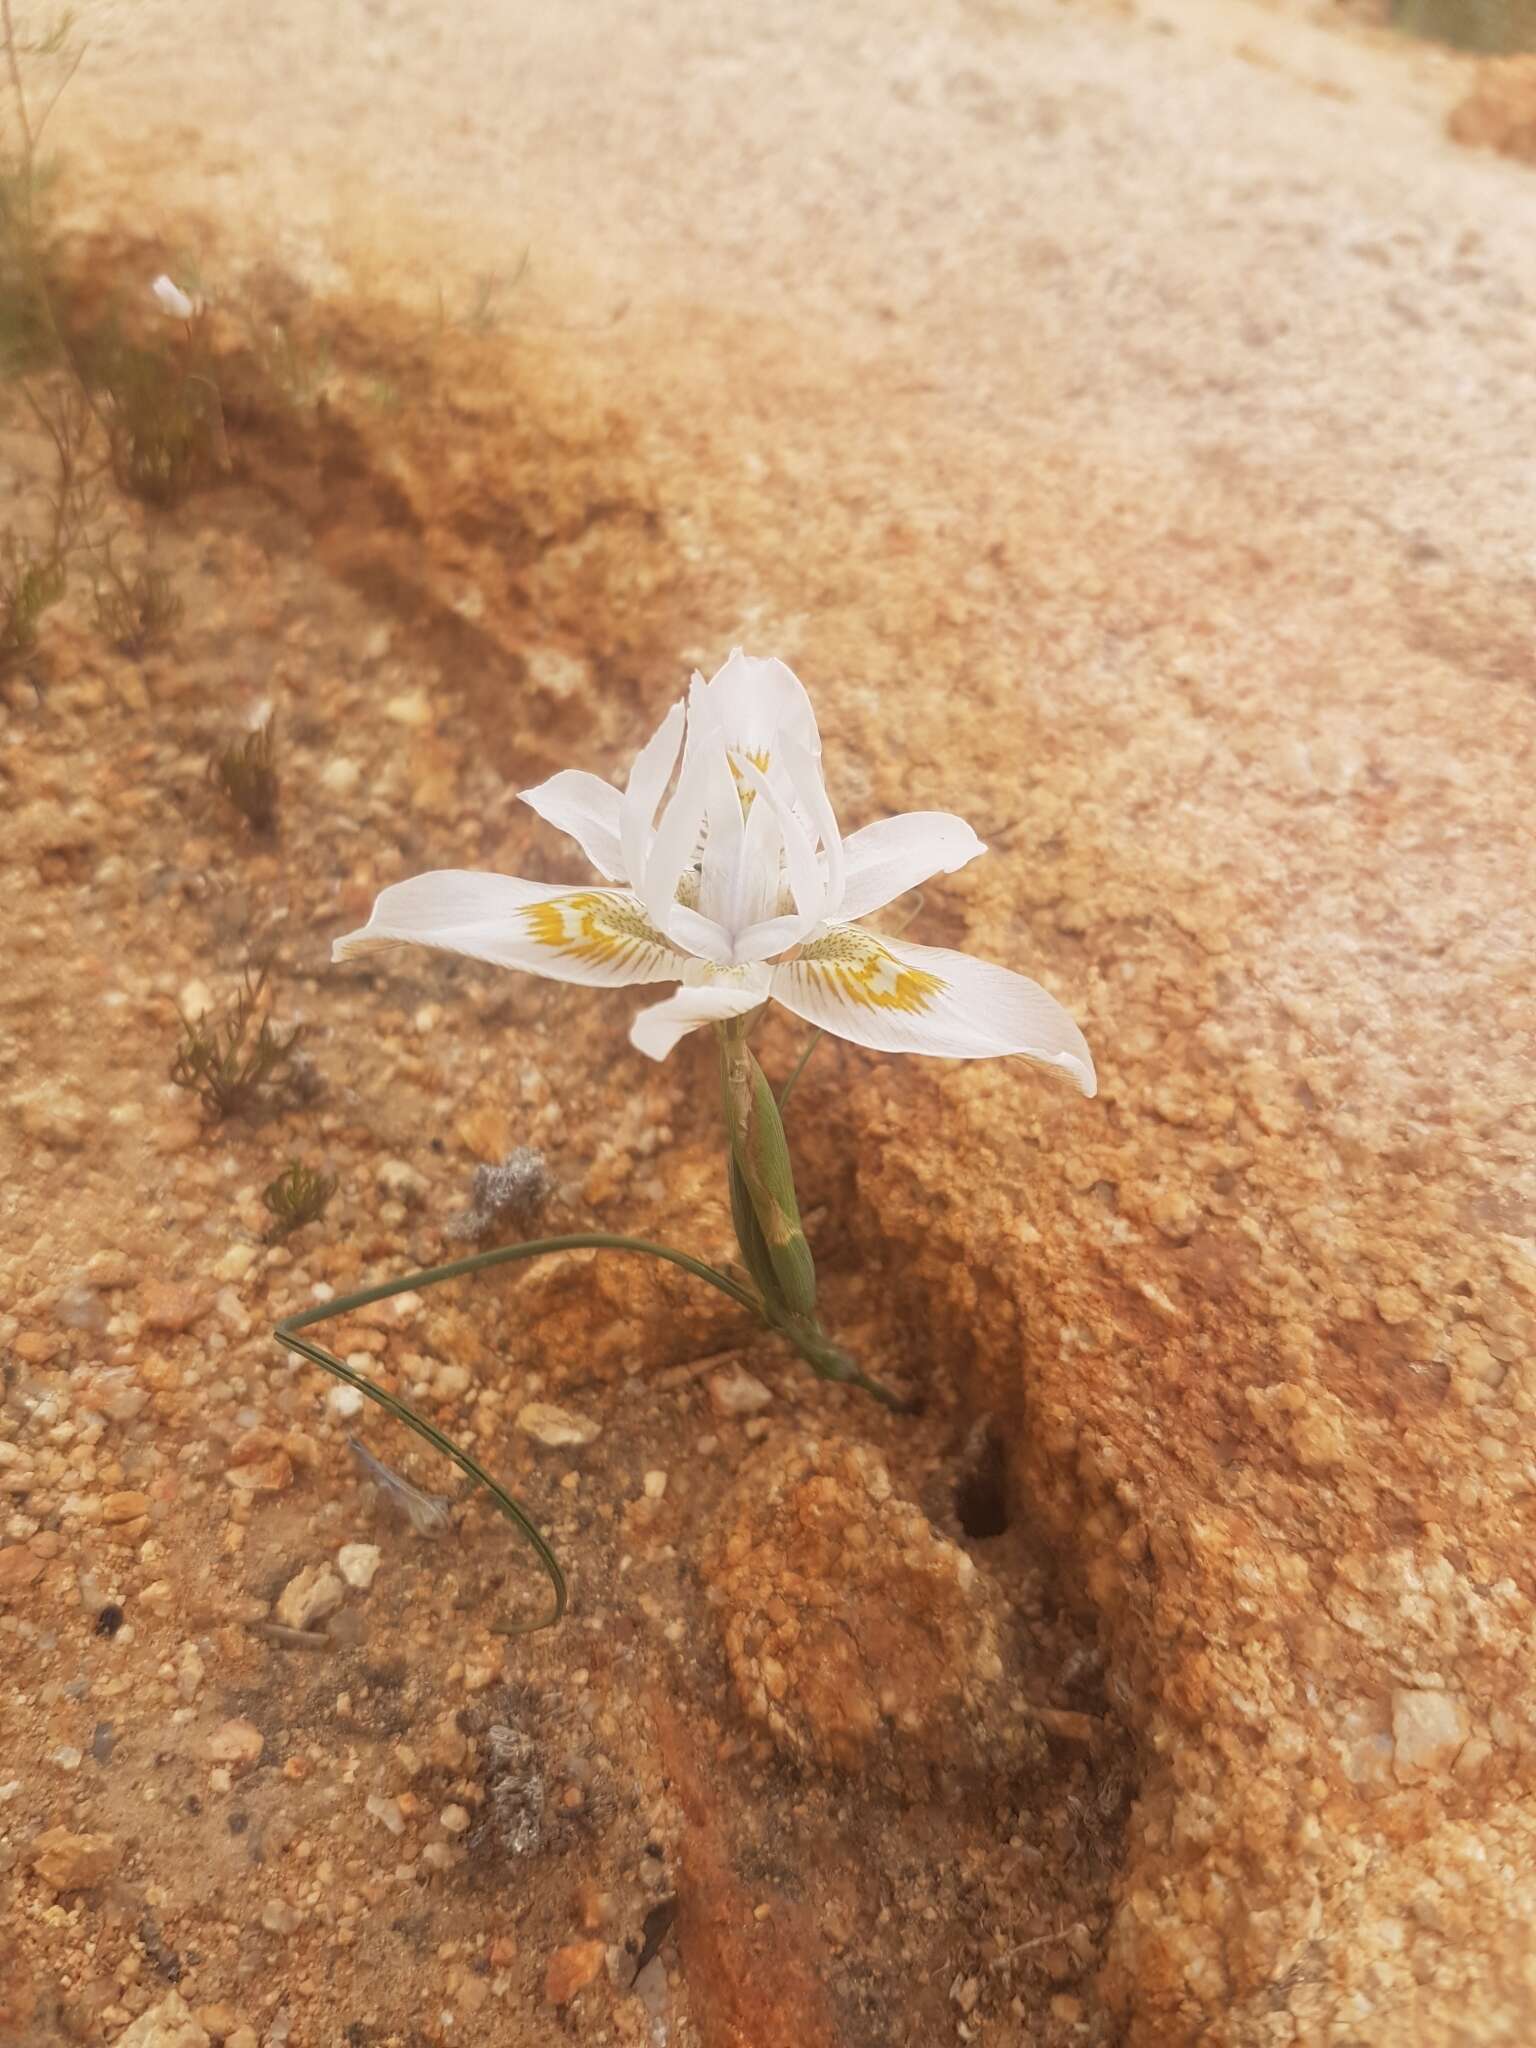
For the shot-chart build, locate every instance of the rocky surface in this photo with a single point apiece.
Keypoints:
(1500, 110)
(1118, 418)
(848, 1623)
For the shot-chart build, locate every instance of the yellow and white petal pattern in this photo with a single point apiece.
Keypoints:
(599, 936)
(588, 809)
(657, 1030)
(894, 997)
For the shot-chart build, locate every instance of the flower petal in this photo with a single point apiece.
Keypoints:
(753, 700)
(589, 810)
(648, 779)
(803, 770)
(900, 998)
(171, 299)
(883, 861)
(599, 936)
(657, 1030)
(803, 871)
(675, 846)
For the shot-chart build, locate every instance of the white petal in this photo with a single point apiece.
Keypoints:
(899, 998)
(725, 831)
(807, 882)
(171, 299)
(700, 935)
(771, 935)
(599, 936)
(803, 770)
(675, 846)
(588, 809)
(657, 1030)
(885, 860)
(648, 779)
(754, 700)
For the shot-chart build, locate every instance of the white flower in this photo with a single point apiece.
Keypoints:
(171, 299)
(729, 876)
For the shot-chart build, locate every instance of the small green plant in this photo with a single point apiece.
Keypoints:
(298, 1195)
(164, 419)
(239, 1065)
(31, 583)
(134, 609)
(246, 771)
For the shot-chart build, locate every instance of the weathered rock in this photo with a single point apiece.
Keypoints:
(170, 2024)
(1500, 111)
(358, 1563)
(571, 1969)
(847, 1619)
(557, 1427)
(236, 1742)
(19, 1569)
(70, 1862)
(737, 1392)
(310, 1597)
(173, 1306)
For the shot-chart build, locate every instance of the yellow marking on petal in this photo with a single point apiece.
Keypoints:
(591, 927)
(760, 763)
(868, 975)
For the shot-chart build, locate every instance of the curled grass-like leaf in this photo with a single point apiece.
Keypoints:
(288, 1335)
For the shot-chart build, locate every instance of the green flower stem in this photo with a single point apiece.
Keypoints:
(766, 1213)
(287, 1334)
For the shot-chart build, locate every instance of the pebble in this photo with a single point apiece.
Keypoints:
(278, 1917)
(387, 1811)
(655, 1485)
(18, 1569)
(236, 1262)
(737, 1392)
(341, 776)
(72, 1863)
(344, 1401)
(53, 1116)
(571, 1969)
(558, 1427)
(172, 1306)
(124, 1507)
(82, 1308)
(235, 1742)
(311, 1596)
(358, 1562)
(400, 1180)
(412, 708)
(455, 1819)
(170, 2024)
(219, 2020)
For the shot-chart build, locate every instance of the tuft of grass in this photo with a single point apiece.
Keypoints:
(246, 771)
(164, 422)
(239, 1065)
(134, 610)
(298, 1195)
(31, 583)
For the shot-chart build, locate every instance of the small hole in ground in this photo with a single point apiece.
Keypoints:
(981, 1492)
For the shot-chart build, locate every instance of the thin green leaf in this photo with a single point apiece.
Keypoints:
(789, 1086)
(287, 1334)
